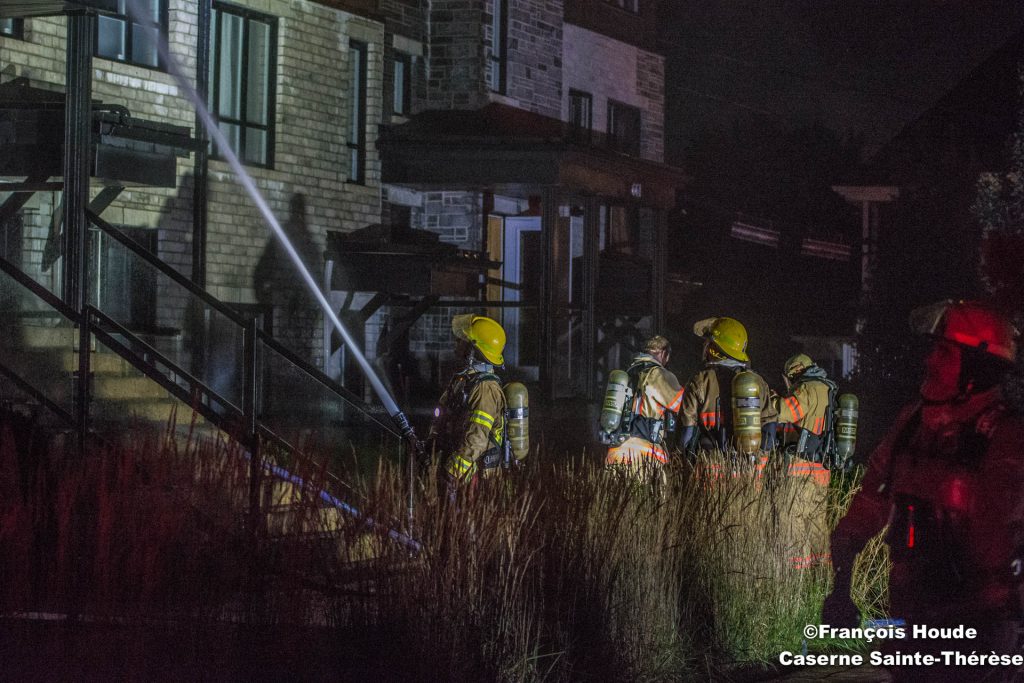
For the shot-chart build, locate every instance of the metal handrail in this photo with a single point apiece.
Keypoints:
(324, 380)
(167, 270)
(48, 297)
(146, 367)
(37, 395)
(236, 318)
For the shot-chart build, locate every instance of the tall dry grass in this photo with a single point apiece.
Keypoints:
(562, 571)
(568, 572)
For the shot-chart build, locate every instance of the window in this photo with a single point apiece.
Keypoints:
(123, 286)
(242, 81)
(401, 84)
(628, 5)
(499, 46)
(581, 114)
(121, 38)
(14, 28)
(624, 128)
(357, 113)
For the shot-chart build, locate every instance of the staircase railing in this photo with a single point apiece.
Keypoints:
(239, 419)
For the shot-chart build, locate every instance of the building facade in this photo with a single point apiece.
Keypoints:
(524, 134)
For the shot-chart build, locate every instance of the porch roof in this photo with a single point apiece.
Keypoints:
(38, 8)
(503, 148)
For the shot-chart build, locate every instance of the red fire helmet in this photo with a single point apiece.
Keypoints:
(968, 323)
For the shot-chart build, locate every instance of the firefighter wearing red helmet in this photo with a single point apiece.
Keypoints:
(947, 481)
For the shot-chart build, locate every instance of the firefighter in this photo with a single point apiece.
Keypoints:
(806, 405)
(656, 395)
(468, 429)
(707, 409)
(947, 480)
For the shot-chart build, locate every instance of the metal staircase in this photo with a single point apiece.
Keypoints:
(214, 371)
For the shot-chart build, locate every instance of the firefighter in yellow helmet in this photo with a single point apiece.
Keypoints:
(468, 429)
(707, 399)
(806, 405)
(656, 394)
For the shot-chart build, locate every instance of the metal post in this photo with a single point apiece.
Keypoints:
(659, 260)
(591, 255)
(249, 406)
(200, 173)
(548, 227)
(82, 388)
(77, 157)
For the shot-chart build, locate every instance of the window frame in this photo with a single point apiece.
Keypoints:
(405, 59)
(358, 109)
(581, 130)
(163, 29)
(270, 127)
(498, 58)
(17, 28)
(614, 141)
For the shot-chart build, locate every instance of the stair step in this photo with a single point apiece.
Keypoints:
(158, 411)
(99, 363)
(51, 337)
(126, 388)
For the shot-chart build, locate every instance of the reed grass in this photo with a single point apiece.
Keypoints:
(562, 571)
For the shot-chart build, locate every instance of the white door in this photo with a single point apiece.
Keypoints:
(520, 271)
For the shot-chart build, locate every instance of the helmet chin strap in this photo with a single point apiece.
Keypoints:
(478, 364)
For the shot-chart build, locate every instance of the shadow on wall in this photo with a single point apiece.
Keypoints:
(280, 288)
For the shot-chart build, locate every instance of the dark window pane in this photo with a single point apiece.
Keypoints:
(144, 40)
(242, 58)
(259, 72)
(11, 27)
(111, 38)
(400, 76)
(131, 39)
(230, 89)
(255, 146)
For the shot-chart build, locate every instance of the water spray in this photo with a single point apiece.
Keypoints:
(174, 68)
(139, 14)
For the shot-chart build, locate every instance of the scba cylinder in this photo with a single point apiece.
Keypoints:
(615, 397)
(746, 412)
(517, 430)
(846, 426)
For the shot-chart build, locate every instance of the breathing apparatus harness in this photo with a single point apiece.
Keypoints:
(623, 402)
(450, 415)
(825, 450)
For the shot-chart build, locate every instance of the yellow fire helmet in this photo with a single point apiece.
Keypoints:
(796, 364)
(483, 333)
(728, 334)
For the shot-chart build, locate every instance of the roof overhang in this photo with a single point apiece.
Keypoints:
(479, 151)
(41, 8)
(858, 194)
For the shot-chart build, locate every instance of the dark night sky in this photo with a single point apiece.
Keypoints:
(854, 65)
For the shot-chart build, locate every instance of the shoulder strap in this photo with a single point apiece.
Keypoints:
(479, 377)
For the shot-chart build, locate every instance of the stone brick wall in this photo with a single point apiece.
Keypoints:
(312, 113)
(534, 69)
(455, 76)
(612, 70)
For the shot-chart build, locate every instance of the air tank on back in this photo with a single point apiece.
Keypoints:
(517, 429)
(846, 426)
(746, 412)
(616, 396)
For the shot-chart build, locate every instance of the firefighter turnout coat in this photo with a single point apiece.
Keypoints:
(469, 424)
(948, 481)
(706, 406)
(657, 392)
(807, 404)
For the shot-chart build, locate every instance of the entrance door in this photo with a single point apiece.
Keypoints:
(521, 274)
